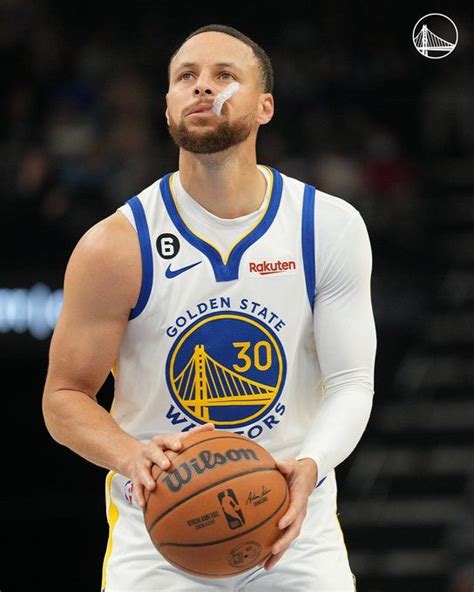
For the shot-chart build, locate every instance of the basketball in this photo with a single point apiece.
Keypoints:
(214, 512)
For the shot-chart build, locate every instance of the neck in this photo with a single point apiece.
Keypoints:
(228, 184)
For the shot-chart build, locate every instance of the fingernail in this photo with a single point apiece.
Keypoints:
(282, 524)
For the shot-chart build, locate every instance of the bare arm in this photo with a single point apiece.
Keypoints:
(101, 285)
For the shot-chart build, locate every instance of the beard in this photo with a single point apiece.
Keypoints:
(209, 140)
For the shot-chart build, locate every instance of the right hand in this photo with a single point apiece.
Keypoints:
(152, 453)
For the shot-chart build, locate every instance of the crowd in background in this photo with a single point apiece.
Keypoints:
(83, 124)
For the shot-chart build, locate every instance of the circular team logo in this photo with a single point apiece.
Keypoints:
(435, 36)
(227, 368)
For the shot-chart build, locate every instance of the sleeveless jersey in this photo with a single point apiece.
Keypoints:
(222, 337)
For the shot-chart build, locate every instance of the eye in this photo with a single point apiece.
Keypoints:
(182, 76)
(227, 74)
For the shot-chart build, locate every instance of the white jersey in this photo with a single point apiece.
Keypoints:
(227, 337)
(271, 337)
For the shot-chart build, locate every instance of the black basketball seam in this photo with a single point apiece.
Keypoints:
(197, 444)
(229, 538)
(158, 518)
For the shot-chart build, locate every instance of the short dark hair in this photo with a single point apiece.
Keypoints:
(264, 62)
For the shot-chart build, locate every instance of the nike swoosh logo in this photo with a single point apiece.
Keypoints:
(169, 273)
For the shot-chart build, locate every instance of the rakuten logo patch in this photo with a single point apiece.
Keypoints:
(271, 267)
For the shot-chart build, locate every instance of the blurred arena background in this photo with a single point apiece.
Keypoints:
(361, 115)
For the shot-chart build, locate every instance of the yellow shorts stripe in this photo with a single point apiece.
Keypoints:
(112, 517)
(344, 542)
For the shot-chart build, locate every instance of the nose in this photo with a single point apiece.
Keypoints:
(203, 86)
(202, 90)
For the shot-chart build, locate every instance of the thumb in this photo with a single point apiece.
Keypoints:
(202, 427)
(283, 465)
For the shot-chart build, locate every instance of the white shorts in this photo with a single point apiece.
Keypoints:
(315, 561)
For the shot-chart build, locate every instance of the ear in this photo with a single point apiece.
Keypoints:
(266, 108)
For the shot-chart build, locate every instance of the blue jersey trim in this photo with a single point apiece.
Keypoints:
(322, 480)
(230, 270)
(307, 238)
(146, 254)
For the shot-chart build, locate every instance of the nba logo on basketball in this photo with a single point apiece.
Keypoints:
(231, 508)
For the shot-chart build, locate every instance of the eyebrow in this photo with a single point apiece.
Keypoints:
(219, 65)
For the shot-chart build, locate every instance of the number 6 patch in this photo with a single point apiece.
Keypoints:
(167, 245)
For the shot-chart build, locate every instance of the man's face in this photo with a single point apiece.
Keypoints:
(203, 67)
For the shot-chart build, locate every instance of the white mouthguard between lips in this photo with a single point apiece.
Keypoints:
(223, 96)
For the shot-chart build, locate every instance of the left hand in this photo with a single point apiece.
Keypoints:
(301, 476)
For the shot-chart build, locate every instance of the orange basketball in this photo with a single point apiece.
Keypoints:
(214, 512)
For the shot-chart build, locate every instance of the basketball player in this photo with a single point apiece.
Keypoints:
(235, 267)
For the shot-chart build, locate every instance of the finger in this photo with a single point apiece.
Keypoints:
(172, 442)
(273, 560)
(263, 561)
(138, 493)
(290, 534)
(145, 477)
(297, 506)
(206, 427)
(155, 454)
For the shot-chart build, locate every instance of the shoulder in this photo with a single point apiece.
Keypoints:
(111, 237)
(332, 213)
(107, 257)
(334, 206)
(334, 216)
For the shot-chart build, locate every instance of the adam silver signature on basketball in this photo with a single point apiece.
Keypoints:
(227, 296)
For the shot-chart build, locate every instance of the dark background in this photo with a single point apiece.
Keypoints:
(360, 114)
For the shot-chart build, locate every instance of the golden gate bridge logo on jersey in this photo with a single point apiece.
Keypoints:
(228, 368)
(271, 267)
